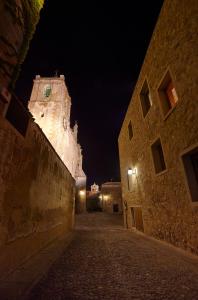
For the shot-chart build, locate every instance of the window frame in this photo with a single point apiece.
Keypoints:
(182, 154)
(154, 160)
(47, 88)
(164, 100)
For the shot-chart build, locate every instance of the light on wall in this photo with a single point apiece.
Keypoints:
(134, 171)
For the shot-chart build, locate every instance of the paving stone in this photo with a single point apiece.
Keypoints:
(105, 261)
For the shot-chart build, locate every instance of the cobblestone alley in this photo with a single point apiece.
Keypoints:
(105, 261)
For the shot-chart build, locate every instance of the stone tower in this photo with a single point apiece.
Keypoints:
(50, 106)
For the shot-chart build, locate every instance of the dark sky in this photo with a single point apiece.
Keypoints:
(100, 48)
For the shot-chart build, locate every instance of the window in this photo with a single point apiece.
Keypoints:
(145, 99)
(190, 161)
(47, 90)
(130, 130)
(167, 93)
(158, 157)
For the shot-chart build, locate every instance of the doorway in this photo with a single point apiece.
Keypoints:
(137, 219)
(115, 208)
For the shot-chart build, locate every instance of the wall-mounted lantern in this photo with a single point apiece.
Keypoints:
(132, 171)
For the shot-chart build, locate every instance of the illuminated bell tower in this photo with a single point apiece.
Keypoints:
(50, 106)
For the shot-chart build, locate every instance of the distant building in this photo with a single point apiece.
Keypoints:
(111, 197)
(158, 142)
(50, 106)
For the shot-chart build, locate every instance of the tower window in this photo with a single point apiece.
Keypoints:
(47, 90)
(130, 130)
(190, 161)
(145, 99)
(167, 93)
(158, 157)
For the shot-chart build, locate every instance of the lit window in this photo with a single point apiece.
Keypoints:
(167, 93)
(145, 99)
(158, 157)
(130, 130)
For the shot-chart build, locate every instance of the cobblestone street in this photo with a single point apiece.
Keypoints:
(105, 261)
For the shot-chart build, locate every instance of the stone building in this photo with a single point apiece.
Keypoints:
(111, 197)
(50, 106)
(158, 142)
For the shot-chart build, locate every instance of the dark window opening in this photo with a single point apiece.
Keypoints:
(167, 93)
(190, 161)
(130, 130)
(158, 157)
(145, 99)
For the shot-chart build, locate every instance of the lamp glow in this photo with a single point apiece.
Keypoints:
(134, 171)
(82, 193)
(130, 172)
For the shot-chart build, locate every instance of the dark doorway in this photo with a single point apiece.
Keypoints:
(93, 203)
(115, 208)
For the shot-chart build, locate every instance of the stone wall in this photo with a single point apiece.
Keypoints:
(36, 194)
(167, 209)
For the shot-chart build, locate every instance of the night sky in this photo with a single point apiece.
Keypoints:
(100, 48)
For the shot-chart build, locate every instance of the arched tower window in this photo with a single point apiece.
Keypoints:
(47, 90)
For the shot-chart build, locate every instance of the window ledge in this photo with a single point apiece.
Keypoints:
(169, 112)
(148, 113)
(161, 173)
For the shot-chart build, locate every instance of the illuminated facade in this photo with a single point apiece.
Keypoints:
(158, 141)
(50, 105)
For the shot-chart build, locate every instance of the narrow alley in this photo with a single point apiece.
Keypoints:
(105, 261)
